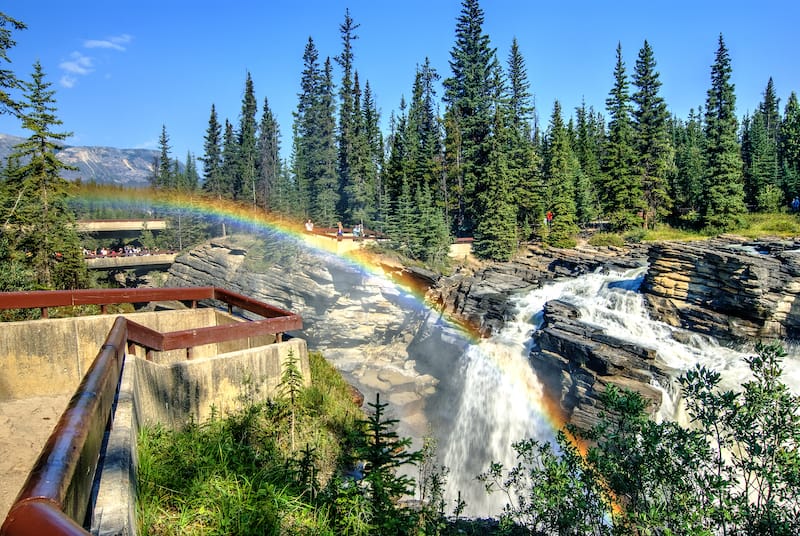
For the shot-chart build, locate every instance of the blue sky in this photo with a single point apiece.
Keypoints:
(122, 69)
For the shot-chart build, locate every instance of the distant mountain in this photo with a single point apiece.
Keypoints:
(131, 168)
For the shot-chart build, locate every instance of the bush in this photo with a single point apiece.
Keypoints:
(606, 239)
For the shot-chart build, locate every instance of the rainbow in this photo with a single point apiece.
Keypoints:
(248, 219)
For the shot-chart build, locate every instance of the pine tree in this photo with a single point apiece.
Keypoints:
(396, 172)
(326, 185)
(621, 192)
(654, 152)
(385, 453)
(359, 191)
(36, 195)
(432, 233)
(468, 118)
(245, 181)
(723, 206)
(348, 122)
(424, 132)
(789, 147)
(588, 147)
(212, 159)
(560, 172)
(230, 161)
(496, 232)
(190, 179)
(687, 185)
(373, 140)
(162, 174)
(522, 160)
(8, 80)
(269, 163)
(314, 144)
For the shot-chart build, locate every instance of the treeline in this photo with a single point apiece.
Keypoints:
(486, 168)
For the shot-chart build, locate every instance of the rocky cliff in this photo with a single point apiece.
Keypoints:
(480, 297)
(732, 289)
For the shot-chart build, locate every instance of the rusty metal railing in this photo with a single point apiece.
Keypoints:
(55, 497)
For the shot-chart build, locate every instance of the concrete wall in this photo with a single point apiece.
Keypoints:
(170, 394)
(50, 356)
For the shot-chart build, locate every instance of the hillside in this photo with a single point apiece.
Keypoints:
(104, 165)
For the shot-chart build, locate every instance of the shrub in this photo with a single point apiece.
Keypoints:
(606, 239)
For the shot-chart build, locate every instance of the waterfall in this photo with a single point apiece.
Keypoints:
(502, 400)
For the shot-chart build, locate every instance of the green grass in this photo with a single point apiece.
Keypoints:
(236, 474)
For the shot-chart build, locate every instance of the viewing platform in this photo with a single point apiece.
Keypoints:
(195, 349)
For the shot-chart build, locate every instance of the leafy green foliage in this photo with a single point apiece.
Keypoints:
(734, 471)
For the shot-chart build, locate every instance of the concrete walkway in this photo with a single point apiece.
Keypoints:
(25, 426)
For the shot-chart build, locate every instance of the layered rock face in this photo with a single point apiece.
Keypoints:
(576, 362)
(733, 290)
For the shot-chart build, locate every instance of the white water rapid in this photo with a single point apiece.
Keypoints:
(501, 401)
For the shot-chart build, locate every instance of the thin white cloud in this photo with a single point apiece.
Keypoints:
(116, 42)
(77, 64)
(68, 81)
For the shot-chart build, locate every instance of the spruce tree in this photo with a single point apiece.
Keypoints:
(621, 192)
(359, 191)
(230, 161)
(326, 191)
(8, 80)
(468, 118)
(522, 160)
(348, 121)
(36, 194)
(789, 147)
(588, 151)
(653, 148)
(723, 202)
(760, 161)
(687, 185)
(374, 142)
(385, 454)
(212, 159)
(314, 144)
(246, 176)
(560, 172)
(396, 172)
(164, 178)
(269, 163)
(424, 131)
(496, 231)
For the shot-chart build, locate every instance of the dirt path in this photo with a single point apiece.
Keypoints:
(25, 425)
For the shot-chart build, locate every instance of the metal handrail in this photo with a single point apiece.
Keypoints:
(55, 497)
(57, 492)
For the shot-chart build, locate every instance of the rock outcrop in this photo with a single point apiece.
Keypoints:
(732, 289)
(362, 323)
(576, 361)
(480, 298)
